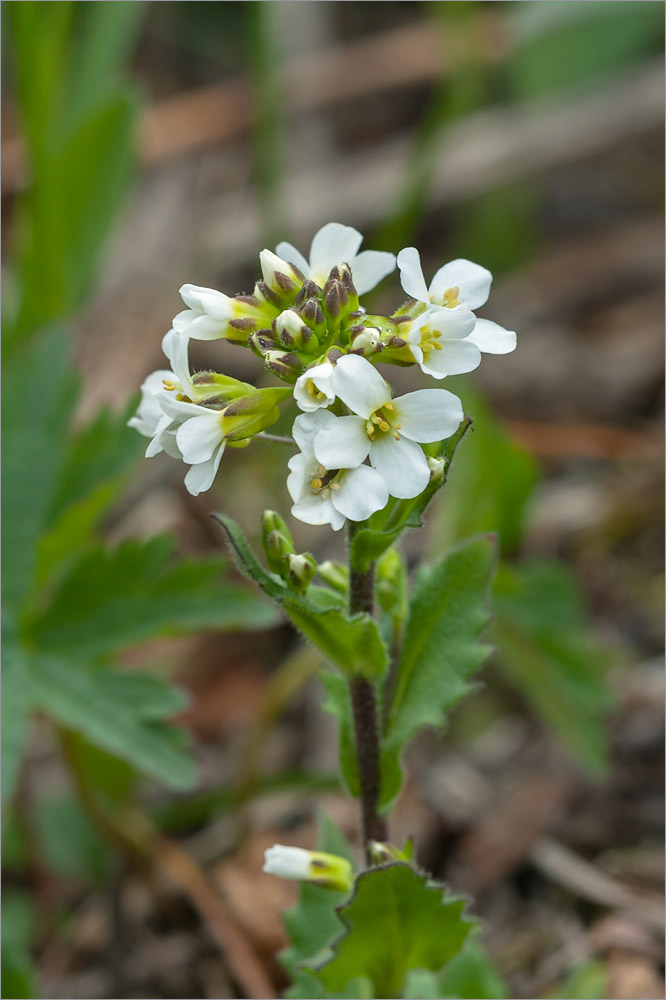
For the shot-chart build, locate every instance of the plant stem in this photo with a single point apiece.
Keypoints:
(364, 709)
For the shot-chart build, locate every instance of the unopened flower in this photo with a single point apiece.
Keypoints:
(314, 388)
(335, 244)
(388, 431)
(330, 494)
(327, 870)
(457, 285)
(212, 315)
(281, 277)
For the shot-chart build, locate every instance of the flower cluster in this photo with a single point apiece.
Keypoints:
(357, 444)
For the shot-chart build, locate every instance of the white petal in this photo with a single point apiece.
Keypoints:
(455, 357)
(359, 385)
(401, 464)
(156, 445)
(300, 476)
(454, 324)
(200, 476)
(175, 346)
(333, 244)
(315, 510)
(287, 862)
(208, 300)
(343, 444)
(206, 328)
(411, 274)
(428, 414)
(182, 320)
(177, 409)
(369, 267)
(362, 492)
(199, 437)
(472, 281)
(491, 338)
(321, 376)
(306, 427)
(288, 252)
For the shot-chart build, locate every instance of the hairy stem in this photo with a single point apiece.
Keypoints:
(364, 708)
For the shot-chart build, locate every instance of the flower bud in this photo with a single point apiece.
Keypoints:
(309, 290)
(336, 303)
(214, 390)
(291, 331)
(277, 540)
(281, 277)
(335, 574)
(342, 272)
(301, 570)
(391, 585)
(436, 466)
(313, 315)
(366, 341)
(382, 854)
(327, 870)
(287, 365)
(252, 413)
(261, 342)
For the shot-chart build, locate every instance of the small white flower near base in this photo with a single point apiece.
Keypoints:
(337, 244)
(388, 431)
(460, 284)
(151, 419)
(209, 313)
(327, 870)
(330, 494)
(314, 388)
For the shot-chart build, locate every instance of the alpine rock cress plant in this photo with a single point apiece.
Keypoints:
(362, 457)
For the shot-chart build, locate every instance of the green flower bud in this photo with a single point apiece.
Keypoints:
(214, 390)
(335, 574)
(309, 290)
(382, 854)
(336, 303)
(277, 542)
(391, 585)
(261, 342)
(291, 331)
(326, 870)
(365, 340)
(252, 413)
(302, 568)
(287, 365)
(436, 466)
(342, 272)
(313, 315)
(281, 277)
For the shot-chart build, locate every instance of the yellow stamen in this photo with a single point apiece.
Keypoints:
(388, 406)
(335, 486)
(438, 347)
(396, 435)
(316, 484)
(383, 426)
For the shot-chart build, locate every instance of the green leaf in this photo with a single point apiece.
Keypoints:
(396, 921)
(441, 649)
(547, 652)
(587, 981)
(18, 924)
(472, 976)
(311, 924)
(115, 598)
(16, 704)
(122, 711)
(353, 644)
(71, 845)
(338, 703)
(39, 391)
(491, 486)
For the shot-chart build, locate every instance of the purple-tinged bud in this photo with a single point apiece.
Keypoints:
(302, 568)
(367, 341)
(336, 303)
(282, 277)
(287, 365)
(309, 290)
(291, 331)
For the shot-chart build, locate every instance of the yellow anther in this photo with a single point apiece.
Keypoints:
(169, 386)
(335, 486)
(451, 296)
(383, 426)
(438, 347)
(398, 427)
(436, 335)
(396, 435)
(389, 406)
(316, 484)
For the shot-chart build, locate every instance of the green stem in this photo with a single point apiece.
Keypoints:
(364, 710)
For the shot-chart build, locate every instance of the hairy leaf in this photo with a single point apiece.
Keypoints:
(124, 712)
(114, 598)
(441, 650)
(396, 921)
(353, 644)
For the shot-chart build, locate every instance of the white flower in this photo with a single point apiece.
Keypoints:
(151, 419)
(327, 870)
(457, 285)
(338, 244)
(439, 341)
(314, 388)
(387, 430)
(210, 313)
(330, 494)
